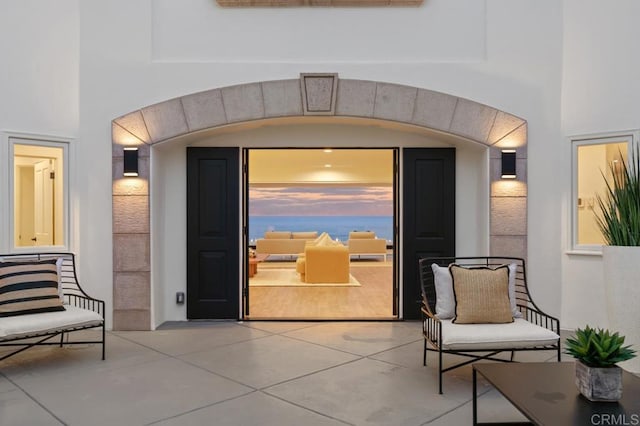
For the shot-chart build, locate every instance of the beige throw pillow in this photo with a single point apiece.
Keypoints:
(481, 294)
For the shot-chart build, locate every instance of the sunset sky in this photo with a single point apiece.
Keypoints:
(320, 201)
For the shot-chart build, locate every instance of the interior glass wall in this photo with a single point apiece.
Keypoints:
(297, 196)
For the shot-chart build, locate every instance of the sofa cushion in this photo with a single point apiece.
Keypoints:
(304, 235)
(518, 334)
(280, 235)
(481, 294)
(29, 288)
(361, 234)
(25, 325)
(319, 241)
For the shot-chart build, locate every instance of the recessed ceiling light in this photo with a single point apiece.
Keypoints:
(327, 165)
(328, 150)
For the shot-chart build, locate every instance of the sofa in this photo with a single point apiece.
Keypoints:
(284, 242)
(324, 261)
(366, 243)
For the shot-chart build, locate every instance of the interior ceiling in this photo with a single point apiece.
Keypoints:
(272, 167)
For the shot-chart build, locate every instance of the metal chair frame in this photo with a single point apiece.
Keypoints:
(432, 325)
(74, 295)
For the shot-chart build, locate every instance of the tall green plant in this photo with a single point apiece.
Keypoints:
(619, 218)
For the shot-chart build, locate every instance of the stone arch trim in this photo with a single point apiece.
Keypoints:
(310, 95)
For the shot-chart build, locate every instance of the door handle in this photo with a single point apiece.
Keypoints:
(34, 239)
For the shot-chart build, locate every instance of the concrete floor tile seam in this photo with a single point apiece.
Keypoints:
(32, 398)
(311, 410)
(360, 356)
(253, 388)
(204, 407)
(395, 364)
(177, 358)
(309, 324)
(311, 373)
(195, 351)
(225, 345)
(396, 347)
(463, 404)
(325, 346)
(137, 343)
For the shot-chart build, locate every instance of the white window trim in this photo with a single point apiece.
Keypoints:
(7, 220)
(633, 137)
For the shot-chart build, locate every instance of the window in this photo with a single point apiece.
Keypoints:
(39, 192)
(592, 161)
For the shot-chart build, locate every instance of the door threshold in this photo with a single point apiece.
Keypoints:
(322, 319)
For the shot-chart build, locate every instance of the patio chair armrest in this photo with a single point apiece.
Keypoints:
(86, 302)
(431, 327)
(540, 318)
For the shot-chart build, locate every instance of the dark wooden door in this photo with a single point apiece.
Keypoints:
(429, 183)
(213, 237)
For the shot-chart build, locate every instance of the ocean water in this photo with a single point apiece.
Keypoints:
(338, 227)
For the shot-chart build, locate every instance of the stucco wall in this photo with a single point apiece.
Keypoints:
(599, 94)
(38, 79)
(517, 68)
(518, 71)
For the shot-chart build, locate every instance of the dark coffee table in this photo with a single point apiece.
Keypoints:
(546, 393)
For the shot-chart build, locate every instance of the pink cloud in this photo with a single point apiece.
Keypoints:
(321, 201)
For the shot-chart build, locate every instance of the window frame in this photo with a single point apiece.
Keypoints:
(10, 139)
(632, 138)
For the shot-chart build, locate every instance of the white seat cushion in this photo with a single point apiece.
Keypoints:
(518, 334)
(24, 325)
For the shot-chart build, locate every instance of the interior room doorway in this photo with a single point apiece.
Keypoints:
(321, 233)
(38, 190)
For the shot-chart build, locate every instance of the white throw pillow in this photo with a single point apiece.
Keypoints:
(445, 301)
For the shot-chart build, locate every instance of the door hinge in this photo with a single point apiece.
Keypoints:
(52, 175)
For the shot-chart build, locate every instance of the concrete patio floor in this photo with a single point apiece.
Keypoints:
(246, 373)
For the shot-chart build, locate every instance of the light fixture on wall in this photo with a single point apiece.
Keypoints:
(508, 164)
(130, 161)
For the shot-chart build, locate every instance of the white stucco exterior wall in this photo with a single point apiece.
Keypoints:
(518, 68)
(519, 73)
(600, 88)
(39, 67)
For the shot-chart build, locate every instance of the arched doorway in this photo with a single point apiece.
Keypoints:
(314, 98)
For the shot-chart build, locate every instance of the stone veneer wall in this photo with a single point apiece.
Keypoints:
(310, 95)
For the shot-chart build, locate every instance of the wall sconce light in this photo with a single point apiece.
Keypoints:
(130, 161)
(508, 164)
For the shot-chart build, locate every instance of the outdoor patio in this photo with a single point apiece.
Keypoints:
(251, 373)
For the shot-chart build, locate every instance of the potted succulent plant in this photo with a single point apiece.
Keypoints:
(619, 221)
(597, 352)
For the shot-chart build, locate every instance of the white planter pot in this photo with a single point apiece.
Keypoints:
(621, 267)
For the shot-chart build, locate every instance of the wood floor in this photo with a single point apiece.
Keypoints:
(372, 300)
